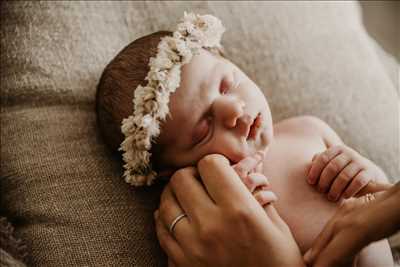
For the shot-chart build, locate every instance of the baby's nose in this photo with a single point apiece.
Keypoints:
(233, 112)
(243, 125)
(245, 119)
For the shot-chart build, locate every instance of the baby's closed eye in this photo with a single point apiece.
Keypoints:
(202, 130)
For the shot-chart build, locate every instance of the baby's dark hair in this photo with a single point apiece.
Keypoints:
(118, 81)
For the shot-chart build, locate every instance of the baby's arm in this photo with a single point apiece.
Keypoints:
(340, 171)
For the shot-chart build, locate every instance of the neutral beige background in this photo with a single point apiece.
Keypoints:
(382, 21)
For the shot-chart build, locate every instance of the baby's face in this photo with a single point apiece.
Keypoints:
(216, 109)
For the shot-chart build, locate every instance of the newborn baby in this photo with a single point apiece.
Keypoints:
(218, 109)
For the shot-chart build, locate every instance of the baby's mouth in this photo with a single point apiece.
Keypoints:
(255, 126)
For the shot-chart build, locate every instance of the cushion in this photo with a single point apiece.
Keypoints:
(60, 185)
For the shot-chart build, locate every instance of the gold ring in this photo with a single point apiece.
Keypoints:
(175, 221)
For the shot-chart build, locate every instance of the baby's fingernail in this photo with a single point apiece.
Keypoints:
(271, 196)
(310, 180)
(307, 256)
(260, 154)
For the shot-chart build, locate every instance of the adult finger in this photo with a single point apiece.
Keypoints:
(373, 187)
(339, 252)
(169, 210)
(217, 174)
(191, 195)
(342, 180)
(246, 165)
(275, 217)
(320, 243)
(320, 162)
(171, 263)
(331, 170)
(167, 242)
(327, 234)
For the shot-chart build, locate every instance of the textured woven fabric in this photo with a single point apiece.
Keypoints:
(60, 186)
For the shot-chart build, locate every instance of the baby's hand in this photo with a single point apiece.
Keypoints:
(249, 170)
(341, 171)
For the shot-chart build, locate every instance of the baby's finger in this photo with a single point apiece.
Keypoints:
(254, 180)
(265, 197)
(358, 183)
(246, 165)
(319, 163)
(334, 167)
(259, 167)
(342, 180)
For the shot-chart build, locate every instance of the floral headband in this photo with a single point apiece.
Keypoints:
(151, 101)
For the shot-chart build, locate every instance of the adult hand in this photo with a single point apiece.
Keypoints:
(225, 226)
(358, 222)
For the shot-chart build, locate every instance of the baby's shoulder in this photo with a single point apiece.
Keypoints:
(307, 126)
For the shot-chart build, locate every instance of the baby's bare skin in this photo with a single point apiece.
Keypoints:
(304, 209)
(286, 165)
